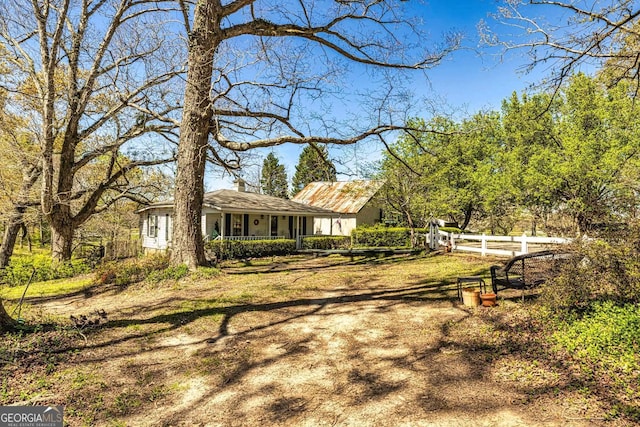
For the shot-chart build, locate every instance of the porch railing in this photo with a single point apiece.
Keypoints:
(244, 238)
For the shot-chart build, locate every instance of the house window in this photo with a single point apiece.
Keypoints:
(236, 221)
(152, 225)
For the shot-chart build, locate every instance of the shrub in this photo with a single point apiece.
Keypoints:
(170, 273)
(326, 242)
(235, 249)
(383, 236)
(455, 230)
(599, 270)
(123, 273)
(21, 268)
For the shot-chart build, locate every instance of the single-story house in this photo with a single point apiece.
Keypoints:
(352, 201)
(233, 214)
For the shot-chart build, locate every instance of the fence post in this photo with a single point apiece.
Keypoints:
(524, 248)
(452, 242)
(483, 251)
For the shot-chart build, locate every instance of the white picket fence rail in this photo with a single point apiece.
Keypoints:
(520, 244)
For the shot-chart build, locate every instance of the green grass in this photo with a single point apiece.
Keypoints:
(48, 288)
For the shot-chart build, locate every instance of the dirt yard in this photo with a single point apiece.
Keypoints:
(303, 342)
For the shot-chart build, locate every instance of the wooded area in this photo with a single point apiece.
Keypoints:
(567, 162)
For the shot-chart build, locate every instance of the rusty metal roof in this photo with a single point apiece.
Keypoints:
(345, 197)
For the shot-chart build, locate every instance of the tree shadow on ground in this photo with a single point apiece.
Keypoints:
(334, 263)
(441, 364)
(86, 292)
(454, 369)
(172, 321)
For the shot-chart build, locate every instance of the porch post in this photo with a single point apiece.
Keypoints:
(203, 224)
(298, 237)
(222, 226)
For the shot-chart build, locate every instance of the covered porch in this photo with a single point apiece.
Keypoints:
(224, 225)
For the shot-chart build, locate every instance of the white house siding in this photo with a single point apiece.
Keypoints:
(160, 239)
(322, 225)
(262, 226)
(341, 226)
(345, 224)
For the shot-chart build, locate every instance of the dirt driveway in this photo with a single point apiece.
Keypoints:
(310, 342)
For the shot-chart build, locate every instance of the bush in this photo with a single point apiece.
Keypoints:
(383, 236)
(598, 271)
(20, 269)
(170, 273)
(123, 273)
(326, 242)
(235, 249)
(455, 230)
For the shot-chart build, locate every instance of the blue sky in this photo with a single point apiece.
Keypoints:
(469, 80)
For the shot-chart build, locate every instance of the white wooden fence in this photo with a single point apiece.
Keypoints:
(508, 245)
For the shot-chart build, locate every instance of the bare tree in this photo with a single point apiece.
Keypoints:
(263, 73)
(94, 78)
(565, 35)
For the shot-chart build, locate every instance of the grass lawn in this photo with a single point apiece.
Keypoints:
(50, 288)
(294, 341)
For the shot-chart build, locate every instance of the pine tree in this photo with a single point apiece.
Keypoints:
(313, 165)
(274, 178)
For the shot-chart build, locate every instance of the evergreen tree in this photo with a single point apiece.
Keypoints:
(273, 181)
(313, 165)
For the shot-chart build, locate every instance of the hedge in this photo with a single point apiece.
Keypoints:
(454, 230)
(383, 236)
(234, 249)
(326, 242)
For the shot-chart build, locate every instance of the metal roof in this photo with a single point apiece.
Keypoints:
(345, 197)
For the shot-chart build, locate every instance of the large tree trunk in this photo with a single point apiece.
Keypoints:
(9, 238)
(6, 322)
(61, 239)
(468, 212)
(188, 245)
